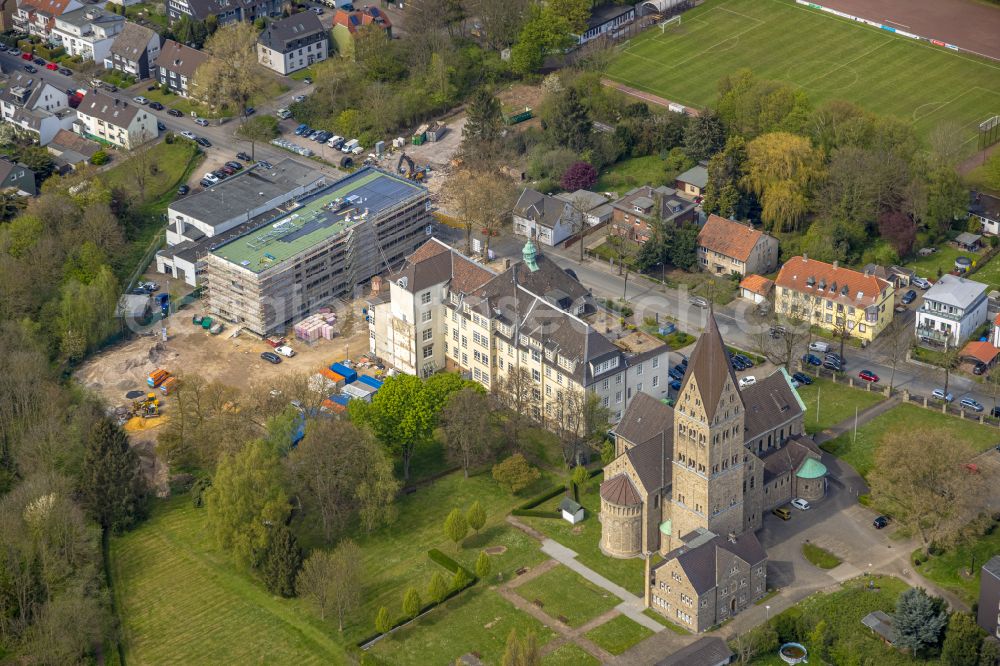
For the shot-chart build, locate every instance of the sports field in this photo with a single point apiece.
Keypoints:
(827, 56)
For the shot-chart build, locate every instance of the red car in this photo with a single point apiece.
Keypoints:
(868, 376)
(52, 66)
(25, 56)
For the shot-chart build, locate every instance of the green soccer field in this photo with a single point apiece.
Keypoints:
(828, 57)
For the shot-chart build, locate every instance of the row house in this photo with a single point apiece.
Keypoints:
(176, 65)
(634, 216)
(88, 32)
(225, 11)
(134, 51)
(38, 17)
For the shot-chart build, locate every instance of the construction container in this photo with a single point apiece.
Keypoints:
(338, 379)
(341, 369)
(359, 391)
(340, 399)
(370, 381)
(206, 323)
(519, 116)
(436, 131)
(168, 386)
(157, 377)
(419, 136)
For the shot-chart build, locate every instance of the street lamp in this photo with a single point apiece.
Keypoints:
(767, 609)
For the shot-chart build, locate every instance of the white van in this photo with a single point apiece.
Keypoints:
(284, 113)
(819, 346)
(285, 350)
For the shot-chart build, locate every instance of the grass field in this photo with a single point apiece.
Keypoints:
(828, 57)
(837, 403)
(566, 595)
(570, 654)
(948, 569)
(618, 634)
(905, 419)
(935, 265)
(819, 557)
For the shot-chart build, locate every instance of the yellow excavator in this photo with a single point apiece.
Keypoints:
(407, 168)
(147, 408)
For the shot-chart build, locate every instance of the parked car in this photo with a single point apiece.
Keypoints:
(189, 135)
(299, 98)
(264, 164)
(802, 378)
(301, 129)
(939, 393)
(66, 71)
(921, 283)
(283, 113)
(698, 301)
(174, 112)
(675, 373)
(139, 99)
(819, 346)
(201, 121)
(675, 385)
(308, 80)
(880, 522)
(800, 504)
(156, 106)
(908, 297)
(229, 171)
(236, 166)
(749, 380)
(783, 513)
(979, 368)
(285, 350)
(868, 376)
(995, 413)
(833, 364)
(205, 183)
(250, 111)
(39, 61)
(52, 67)
(31, 69)
(811, 359)
(183, 189)
(969, 403)
(736, 363)
(835, 356)
(745, 360)
(211, 177)
(203, 142)
(160, 126)
(243, 156)
(26, 56)
(271, 357)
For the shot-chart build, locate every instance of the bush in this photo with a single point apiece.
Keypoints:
(100, 157)
(544, 497)
(535, 513)
(515, 474)
(579, 176)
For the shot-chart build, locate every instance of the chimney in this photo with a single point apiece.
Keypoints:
(805, 257)
(836, 264)
(732, 537)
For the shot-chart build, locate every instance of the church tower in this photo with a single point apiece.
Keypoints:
(708, 444)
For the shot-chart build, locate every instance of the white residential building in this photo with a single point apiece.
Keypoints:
(952, 310)
(37, 17)
(87, 32)
(290, 44)
(122, 124)
(35, 106)
(545, 219)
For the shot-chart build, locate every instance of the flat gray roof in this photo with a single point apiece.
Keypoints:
(955, 291)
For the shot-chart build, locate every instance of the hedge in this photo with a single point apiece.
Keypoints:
(451, 565)
(535, 501)
(535, 513)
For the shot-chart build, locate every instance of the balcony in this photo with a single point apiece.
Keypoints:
(934, 335)
(941, 314)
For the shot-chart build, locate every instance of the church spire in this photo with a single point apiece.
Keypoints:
(710, 366)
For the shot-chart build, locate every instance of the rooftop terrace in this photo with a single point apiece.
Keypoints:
(318, 217)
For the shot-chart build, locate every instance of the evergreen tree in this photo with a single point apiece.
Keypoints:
(382, 621)
(570, 125)
(483, 565)
(437, 589)
(989, 653)
(476, 516)
(460, 579)
(112, 487)
(411, 602)
(455, 526)
(961, 641)
(282, 561)
(484, 121)
(704, 136)
(919, 621)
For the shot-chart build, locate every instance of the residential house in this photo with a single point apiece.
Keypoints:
(225, 11)
(833, 297)
(38, 17)
(176, 66)
(107, 119)
(606, 19)
(293, 43)
(87, 32)
(596, 208)
(989, 597)
(633, 216)
(35, 106)
(548, 220)
(899, 276)
(756, 288)
(444, 311)
(693, 181)
(346, 24)
(134, 51)
(69, 149)
(952, 310)
(995, 332)
(18, 177)
(986, 209)
(726, 247)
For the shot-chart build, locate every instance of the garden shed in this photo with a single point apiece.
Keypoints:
(572, 511)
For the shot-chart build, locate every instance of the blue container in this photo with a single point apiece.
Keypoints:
(371, 381)
(348, 374)
(340, 399)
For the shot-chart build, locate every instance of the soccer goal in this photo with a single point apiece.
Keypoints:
(675, 20)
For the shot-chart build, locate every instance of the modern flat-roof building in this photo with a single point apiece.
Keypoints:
(317, 249)
(989, 597)
(953, 309)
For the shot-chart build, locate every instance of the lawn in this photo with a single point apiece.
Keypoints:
(183, 104)
(476, 621)
(618, 634)
(935, 265)
(585, 539)
(565, 595)
(948, 569)
(989, 273)
(570, 654)
(908, 419)
(180, 600)
(826, 56)
(837, 403)
(173, 161)
(819, 557)
(631, 173)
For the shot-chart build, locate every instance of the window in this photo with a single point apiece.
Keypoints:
(465, 342)
(425, 298)
(605, 401)
(427, 334)
(604, 384)
(548, 391)
(618, 396)
(618, 379)
(537, 376)
(428, 351)
(638, 387)
(425, 316)
(656, 381)
(656, 362)
(638, 369)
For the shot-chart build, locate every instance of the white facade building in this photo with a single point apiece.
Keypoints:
(36, 107)
(952, 310)
(122, 124)
(88, 32)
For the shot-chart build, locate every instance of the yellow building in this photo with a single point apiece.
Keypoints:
(834, 298)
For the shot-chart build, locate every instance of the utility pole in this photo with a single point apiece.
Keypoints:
(854, 441)
(818, 391)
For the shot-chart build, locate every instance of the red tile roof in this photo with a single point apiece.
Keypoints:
(620, 490)
(729, 238)
(758, 284)
(810, 276)
(997, 320)
(981, 351)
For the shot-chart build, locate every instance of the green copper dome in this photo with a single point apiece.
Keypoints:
(811, 469)
(529, 253)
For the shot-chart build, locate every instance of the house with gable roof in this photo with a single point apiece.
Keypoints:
(727, 247)
(35, 106)
(110, 120)
(176, 65)
(347, 23)
(134, 51)
(290, 44)
(38, 17)
(545, 219)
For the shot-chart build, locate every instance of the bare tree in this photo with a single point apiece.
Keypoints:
(781, 336)
(514, 394)
(141, 164)
(232, 76)
(333, 581)
(468, 427)
(898, 339)
(579, 419)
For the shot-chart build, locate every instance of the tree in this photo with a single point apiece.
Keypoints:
(925, 479)
(515, 474)
(580, 421)
(820, 639)
(607, 453)
(258, 128)
(501, 20)
(245, 498)
(704, 136)
(399, 415)
(780, 169)
(460, 579)
(919, 621)
(580, 475)
(724, 193)
(437, 589)
(282, 561)
(112, 487)
(455, 526)
(467, 423)
(570, 124)
(382, 621)
(780, 336)
(961, 641)
(899, 230)
(232, 77)
(521, 653)
(514, 394)
(100, 158)
(989, 653)
(411, 602)
(899, 339)
(483, 565)
(476, 516)
(947, 198)
(580, 176)
(484, 120)
(340, 474)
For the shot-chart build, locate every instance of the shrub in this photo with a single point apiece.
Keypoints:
(411, 602)
(579, 176)
(483, 565)
(382, 621)
(100, 157)
(515, 474)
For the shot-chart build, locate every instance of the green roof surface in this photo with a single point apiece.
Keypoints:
(811, 469)
(320, 218)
